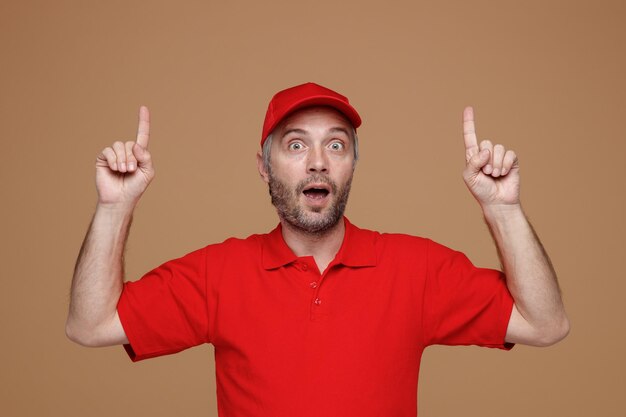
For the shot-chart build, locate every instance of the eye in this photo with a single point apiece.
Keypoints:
(295, 146)
(336, 146)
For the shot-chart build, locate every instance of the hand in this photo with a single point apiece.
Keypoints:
(124, 170)
(491, 172)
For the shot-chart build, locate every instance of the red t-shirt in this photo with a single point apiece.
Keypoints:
(290, 342)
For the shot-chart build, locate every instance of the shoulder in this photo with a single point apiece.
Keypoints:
(396, 241)
(402, 245)
(234, 246)
(392, 245)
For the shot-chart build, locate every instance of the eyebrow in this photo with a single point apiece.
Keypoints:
(304, 132)
(339, 129)
(298, 131)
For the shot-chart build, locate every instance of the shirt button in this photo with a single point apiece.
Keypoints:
(313, 284)
(317, 301)
(305, 267)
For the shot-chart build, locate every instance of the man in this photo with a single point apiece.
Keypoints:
(318, 317)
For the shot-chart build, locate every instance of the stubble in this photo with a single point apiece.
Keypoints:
(315, 220)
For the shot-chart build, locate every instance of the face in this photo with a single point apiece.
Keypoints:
(311, 167)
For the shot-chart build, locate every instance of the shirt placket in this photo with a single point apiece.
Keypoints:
(318, 300)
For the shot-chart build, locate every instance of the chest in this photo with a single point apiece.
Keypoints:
(296, 307)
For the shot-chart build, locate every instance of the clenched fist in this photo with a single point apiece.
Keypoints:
(124, 170)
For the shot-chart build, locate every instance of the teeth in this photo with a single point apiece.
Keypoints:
(316, 193)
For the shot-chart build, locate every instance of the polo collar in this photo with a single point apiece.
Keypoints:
(276, 253)
(357, 249)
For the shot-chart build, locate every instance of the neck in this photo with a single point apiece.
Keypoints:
(322, 247)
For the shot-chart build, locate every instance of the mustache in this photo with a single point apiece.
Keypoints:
(316, 179)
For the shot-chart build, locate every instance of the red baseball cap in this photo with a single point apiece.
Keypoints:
(287, 101)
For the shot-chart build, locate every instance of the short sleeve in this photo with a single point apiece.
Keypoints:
(463, 304)
(166, 310)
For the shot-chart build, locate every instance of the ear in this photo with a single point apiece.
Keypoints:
(261, 167)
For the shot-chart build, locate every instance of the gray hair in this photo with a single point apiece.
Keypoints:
(267, 147)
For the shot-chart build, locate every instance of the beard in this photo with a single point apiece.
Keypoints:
(316, 220)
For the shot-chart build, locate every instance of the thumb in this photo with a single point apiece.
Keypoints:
(478, 161)
(144, 160)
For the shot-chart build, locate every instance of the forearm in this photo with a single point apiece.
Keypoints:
(530, 276)
(98, 275)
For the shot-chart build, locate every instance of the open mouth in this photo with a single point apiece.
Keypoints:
(316, 191)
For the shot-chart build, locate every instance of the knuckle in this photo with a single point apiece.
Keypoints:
(129, 148)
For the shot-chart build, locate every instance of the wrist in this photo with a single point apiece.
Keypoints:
(111, 223)
(118, 207)
(497, 212)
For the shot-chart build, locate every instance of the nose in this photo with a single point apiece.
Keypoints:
(317, 161)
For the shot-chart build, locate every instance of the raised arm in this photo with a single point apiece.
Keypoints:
(492, 176)
(123, 172)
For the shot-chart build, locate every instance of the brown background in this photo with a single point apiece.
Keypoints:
(546, 78)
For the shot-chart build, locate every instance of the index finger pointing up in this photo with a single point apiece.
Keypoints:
(143, 130)
(469, 132)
